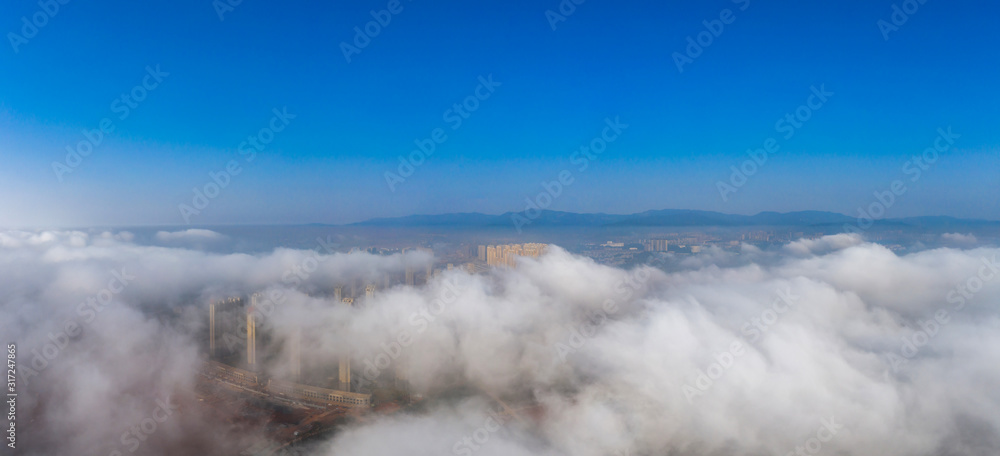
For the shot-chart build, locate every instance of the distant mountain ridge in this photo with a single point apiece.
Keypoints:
(663, 217)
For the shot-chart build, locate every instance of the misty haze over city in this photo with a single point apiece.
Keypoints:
(500, 228)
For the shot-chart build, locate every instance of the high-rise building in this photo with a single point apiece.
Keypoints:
(482, 253)
(296, 354)
(506, 255)
(226, 320)
(655, 245)
(252, 331)
(344, 373)
(344, 367)
(211, 328)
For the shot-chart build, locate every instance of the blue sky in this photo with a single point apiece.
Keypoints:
(353, 120)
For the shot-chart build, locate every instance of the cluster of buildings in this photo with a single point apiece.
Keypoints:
(625, 252)
(506, 255)
(239, 343)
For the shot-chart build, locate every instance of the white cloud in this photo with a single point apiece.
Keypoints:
(192, 234)
(959, 238)
(615, 387)
(822, 245)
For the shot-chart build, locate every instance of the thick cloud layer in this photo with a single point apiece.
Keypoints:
(833, 345)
